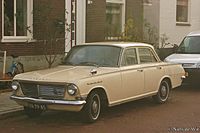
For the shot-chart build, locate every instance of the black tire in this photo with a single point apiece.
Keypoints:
(32, 113)
(92, 109)
(163, 92)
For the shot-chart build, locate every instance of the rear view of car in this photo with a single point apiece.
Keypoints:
(188, 54)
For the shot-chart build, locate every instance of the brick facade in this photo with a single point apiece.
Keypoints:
(95, 24)
(0, 21)
(35, 48)
(95, 21)
(56, 13)
(96, 18)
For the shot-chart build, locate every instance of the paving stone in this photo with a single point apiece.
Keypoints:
(7, 105)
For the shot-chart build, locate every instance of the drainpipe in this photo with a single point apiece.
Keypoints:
(4, 64)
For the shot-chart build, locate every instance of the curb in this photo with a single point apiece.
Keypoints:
(11, 113)
(11, 110)
(8, 108)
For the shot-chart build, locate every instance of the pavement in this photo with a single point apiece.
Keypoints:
(6, 105)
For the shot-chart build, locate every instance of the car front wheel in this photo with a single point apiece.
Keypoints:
(163, 92)
(92, 109)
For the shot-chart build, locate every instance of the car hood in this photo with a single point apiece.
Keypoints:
(67, 74)
(184, 58)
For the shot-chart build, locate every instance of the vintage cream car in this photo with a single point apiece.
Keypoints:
(96, 75)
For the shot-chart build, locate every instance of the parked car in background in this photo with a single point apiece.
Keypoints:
(188, 54)
(97, 75)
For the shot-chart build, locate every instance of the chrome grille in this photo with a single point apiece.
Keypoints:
(43, 91)
(55, 92)
(29, 89)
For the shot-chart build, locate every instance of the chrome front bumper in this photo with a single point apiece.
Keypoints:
(44, 101)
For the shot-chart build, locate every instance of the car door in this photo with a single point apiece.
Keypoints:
(153, 71)
(132, 75)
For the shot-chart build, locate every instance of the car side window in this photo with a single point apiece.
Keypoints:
(129, 57)
(146, 55)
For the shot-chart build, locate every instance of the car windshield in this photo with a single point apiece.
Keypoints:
(190, 45)
(93, 55)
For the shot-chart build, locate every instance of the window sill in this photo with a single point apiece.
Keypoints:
(17, 40)
(113, 38)
(147, 4)
(183, 24)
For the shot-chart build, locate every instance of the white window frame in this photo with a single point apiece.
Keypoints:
(15, 38)
(189, 14)
(80, 24)
(123, 3)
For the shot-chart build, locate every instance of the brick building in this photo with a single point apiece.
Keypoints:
(23, 25)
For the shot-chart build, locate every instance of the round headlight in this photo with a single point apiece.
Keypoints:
(72, 89)
(15, 85)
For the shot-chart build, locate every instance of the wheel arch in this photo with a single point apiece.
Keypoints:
(102, 92)
(163, 94)
(168, 79)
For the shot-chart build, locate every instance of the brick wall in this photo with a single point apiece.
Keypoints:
(28, 49)
(96, 18)
(95, 24)
(47, 14)
(95, 21)
(43, 13)
(35, 48)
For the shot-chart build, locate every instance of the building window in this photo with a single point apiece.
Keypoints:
(115, 19)
(147, 2)
(17, 20)
(182, 11)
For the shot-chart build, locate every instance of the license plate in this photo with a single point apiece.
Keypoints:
(188, 64)
(37, 106)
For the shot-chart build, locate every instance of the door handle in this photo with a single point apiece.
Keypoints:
(140, 70)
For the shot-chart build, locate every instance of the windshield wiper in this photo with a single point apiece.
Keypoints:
(89, 64)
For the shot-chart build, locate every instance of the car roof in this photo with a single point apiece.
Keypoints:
(194, 33)
(121, 44)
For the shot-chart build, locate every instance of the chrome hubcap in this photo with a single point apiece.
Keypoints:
(163, 91)
(95, 107)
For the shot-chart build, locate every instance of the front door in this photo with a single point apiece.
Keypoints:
(132, 75)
